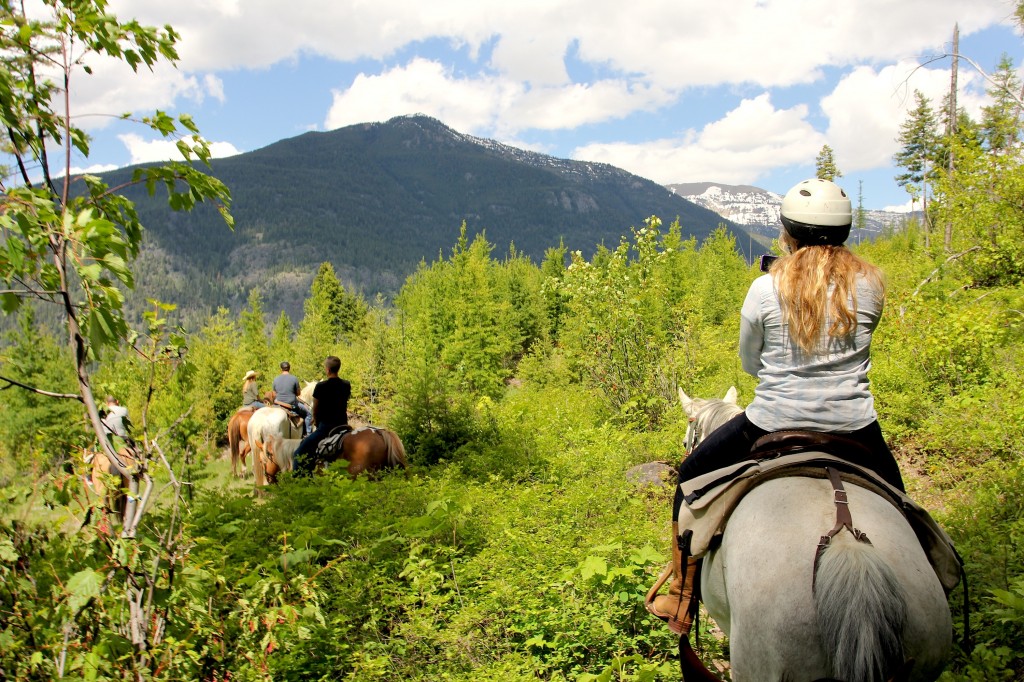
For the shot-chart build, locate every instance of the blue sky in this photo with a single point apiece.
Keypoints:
(672, 90)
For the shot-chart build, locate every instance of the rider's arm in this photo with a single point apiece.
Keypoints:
(316, 410)
(751, 332)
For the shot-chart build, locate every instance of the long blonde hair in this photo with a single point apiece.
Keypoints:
(802, 280)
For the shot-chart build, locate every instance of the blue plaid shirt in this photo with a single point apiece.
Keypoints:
(824, 391)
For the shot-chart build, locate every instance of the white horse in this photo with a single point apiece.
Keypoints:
(265, 423)
(872, 610)
(272, 421)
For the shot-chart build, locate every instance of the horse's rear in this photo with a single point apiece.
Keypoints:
(238, 439)
(372, 449)
(874, 607)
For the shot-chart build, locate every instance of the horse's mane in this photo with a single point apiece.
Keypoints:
(714, 412)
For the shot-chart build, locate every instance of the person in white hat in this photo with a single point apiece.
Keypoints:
(805, 333)
(251, 391)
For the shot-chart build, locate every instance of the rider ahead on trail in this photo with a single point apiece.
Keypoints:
(805, 333)
(330, 409)
(286, 394)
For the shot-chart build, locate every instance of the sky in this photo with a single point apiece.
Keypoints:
(730, 91)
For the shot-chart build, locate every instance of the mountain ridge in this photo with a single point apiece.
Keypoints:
(376, 199)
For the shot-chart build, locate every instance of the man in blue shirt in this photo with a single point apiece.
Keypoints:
(286, 394)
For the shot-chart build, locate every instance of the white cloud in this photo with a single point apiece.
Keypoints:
(485, 104)
(744, 145)
(147, 151)
(114, 89)
(423, 86)
(867, 108)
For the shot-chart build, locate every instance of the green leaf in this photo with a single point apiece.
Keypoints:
(7, 552)
(82, 587)
(592, 566)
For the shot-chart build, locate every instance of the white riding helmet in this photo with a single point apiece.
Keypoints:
(817, 212)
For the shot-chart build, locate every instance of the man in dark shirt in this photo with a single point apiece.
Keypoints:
(330, 409)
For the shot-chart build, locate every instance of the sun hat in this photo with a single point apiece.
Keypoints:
(248, 375)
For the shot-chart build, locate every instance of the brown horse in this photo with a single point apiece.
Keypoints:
(367, 449)
(370, 449)
(238, 439)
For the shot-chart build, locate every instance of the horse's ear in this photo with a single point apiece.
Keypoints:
(730, 395)
(686, 400)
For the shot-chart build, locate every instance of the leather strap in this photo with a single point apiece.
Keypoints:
(843, 520)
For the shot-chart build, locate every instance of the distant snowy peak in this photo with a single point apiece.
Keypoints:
(742, 204)
(758, 208)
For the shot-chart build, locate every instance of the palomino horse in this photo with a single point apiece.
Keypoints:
(870, 612)
(264, 423)
(105, 481)
(366, 449)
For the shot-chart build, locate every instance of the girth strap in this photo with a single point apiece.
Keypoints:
(843, 520)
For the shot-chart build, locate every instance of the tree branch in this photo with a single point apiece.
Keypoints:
(936, 271)
(12, 382)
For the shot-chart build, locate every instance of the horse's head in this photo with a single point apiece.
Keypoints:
(306, 394)
(707, 414)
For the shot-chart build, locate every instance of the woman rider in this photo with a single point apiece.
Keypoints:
(805, 333)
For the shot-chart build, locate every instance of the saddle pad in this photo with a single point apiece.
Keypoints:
(711, 498)
(331, 445)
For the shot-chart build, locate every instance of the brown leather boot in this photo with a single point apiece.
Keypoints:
(675, 607)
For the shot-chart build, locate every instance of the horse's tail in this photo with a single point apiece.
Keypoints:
(396, 450)
(258, 470)
(234, 436)
(861, 610)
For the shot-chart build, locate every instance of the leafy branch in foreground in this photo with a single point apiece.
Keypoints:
(69, 240)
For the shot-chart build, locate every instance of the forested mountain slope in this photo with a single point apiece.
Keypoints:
(376, 199)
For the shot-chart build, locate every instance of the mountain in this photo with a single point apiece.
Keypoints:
(757, 210)
(375, 200)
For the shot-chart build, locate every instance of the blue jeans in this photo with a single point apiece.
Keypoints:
(305, 454)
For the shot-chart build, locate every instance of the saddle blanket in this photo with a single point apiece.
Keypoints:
(711, 498)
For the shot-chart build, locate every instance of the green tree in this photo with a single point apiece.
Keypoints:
(327, 315)
(281, 348)
(32, 421)
(254, 349)
(1001, 120)
(69, 239)
(825, 165)
(68, 242)
(919, 139)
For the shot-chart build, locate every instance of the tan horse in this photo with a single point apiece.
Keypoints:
(238, 435)
(106, 482)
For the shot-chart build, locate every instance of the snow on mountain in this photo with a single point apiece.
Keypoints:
(758, 209)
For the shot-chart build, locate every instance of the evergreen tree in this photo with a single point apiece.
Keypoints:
(826, 165)
(1000, 120)
(919, 139)
(553, 270)
(321, 326)
(280, 344)
(32, 423)
(254, 348)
